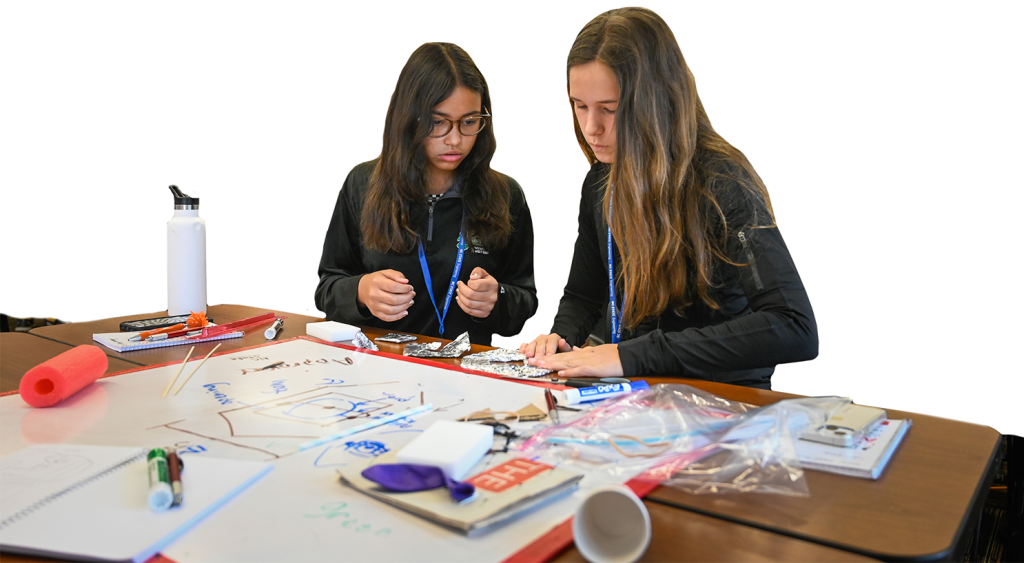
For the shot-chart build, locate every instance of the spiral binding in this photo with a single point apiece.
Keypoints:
(140, 454)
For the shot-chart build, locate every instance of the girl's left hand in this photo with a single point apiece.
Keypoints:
(593, 361)
(477, 298)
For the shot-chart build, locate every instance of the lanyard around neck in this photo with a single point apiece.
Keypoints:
(616, 310)
(455, 275)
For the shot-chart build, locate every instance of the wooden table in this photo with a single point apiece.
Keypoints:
(681, 535)
(21, 351)
(920, 509)
(81, 333)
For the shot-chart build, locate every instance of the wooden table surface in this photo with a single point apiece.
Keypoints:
(81, 333)
(681, 535)
(21, 351)
(919, 509)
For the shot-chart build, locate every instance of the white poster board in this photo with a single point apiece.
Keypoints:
(299, 512)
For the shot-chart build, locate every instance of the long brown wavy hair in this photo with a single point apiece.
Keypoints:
(395, 198)
(666, 219)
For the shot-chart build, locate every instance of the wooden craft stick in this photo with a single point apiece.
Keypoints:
(169, 385)
(197, 369)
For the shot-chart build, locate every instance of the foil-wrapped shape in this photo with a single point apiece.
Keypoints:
(496, 355)
(453, 349)
(414, 349)
(395, 338)
(495, 361)
(507, 370)
(361, 341)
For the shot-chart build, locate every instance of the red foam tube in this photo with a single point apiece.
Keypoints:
(62, 376)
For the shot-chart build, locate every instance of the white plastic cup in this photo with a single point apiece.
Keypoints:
(612, 525)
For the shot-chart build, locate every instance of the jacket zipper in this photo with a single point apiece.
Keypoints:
(430, 222)
(750, 260)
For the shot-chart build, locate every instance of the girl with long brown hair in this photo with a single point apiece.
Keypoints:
(678, 248)
(429, 219)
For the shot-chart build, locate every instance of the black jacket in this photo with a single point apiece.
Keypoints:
(345, 260)
(764, 318)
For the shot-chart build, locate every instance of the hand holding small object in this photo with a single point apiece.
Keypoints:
(477, 298)
(387, 294)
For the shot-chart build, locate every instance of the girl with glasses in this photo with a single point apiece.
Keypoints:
(678, 247)
(427, 238)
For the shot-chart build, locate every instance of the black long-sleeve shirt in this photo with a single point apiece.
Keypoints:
(345, 260)
(765, 317)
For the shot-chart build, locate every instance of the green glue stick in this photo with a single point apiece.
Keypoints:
(161, 496)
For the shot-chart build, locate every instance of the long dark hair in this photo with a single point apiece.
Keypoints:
(666, 220)
(395, 197)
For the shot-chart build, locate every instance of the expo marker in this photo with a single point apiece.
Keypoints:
(366, 426)
(161, 496)
(600, 392)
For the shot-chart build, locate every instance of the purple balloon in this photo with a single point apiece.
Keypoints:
(410, 477)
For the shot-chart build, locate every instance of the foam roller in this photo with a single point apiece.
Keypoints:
(62, 376)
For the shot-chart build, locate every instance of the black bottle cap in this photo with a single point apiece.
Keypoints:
(181, 198)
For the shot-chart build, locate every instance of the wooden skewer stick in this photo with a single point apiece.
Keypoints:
(197, 369)
(169, 385)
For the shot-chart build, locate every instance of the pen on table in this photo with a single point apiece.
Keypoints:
(273, 365)
(174, 467)
(552, 406)
(271, 332)
(156, 332)
(579, 382)
(366, 426)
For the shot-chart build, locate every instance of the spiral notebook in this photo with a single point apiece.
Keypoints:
(118, 341)
(91, 502)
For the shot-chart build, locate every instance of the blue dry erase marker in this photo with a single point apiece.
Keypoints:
(601, 392)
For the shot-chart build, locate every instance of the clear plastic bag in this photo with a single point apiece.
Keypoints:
(689, 439)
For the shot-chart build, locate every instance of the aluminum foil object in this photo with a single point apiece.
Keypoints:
(395, 338)
(453, 349)
(361, 341)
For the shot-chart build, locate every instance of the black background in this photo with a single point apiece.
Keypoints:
(263, 127)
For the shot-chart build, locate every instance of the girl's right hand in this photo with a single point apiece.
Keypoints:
(387, 294)
(544, 345)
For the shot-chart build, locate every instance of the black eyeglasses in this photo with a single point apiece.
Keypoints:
(468, 126)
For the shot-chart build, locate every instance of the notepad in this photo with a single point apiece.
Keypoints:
(118, 341)
(90, 502)
(866, 460)
(505, 491)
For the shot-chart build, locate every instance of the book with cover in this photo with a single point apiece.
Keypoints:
(504, 490)
(118, 341)
(866, 459)
(91, 502)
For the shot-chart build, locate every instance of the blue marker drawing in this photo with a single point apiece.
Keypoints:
(326, 408)
(366, 448)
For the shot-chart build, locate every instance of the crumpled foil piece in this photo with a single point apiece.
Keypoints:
(508, 370)
(395, 338)
(491, 361)
(496, 355)
(453, 349)
(361, 341)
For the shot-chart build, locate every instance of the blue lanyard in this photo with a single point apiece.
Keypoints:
(616, 325)
(455, 276)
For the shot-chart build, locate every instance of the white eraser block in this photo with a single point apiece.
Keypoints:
(455, 447)
(332, 331)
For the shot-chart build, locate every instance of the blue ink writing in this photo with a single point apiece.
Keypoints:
(217, 393)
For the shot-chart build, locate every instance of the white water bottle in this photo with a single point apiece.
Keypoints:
(186, 257)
